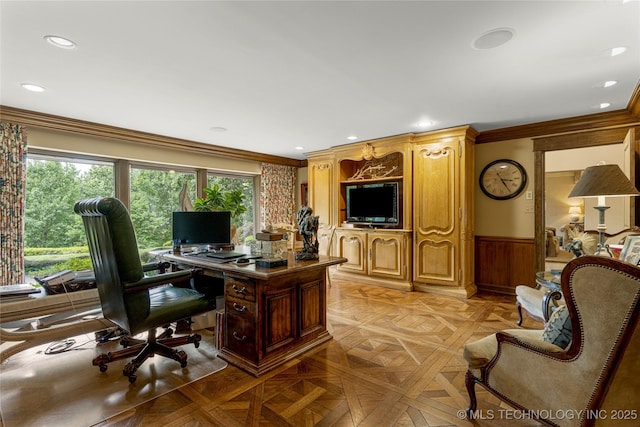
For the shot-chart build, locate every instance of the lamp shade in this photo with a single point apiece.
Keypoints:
(575, 210)
(603, 180)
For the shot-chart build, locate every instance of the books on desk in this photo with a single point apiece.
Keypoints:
(68, 281)
(56, 279)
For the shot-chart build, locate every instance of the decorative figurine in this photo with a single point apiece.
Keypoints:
(308, 229)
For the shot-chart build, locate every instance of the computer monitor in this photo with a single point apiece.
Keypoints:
(201, 228)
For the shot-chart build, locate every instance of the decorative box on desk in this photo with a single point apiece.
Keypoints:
(269, 236)
(269, 249)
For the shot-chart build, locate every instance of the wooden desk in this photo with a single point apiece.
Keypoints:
(271, 315)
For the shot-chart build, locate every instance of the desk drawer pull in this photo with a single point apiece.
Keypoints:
(240, 308)
(237, 337)
(240, 291)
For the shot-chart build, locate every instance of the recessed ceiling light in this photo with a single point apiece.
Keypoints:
(605, 105)
(58, 41)
(618, 50)
(424, 124)
(352, 138)
(493, 38)
(299, 148)
(218, 129)
(610, 83)
(33, 88)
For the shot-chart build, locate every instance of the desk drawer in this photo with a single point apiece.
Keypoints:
(240, 307)
(240, 288)
(240, 336)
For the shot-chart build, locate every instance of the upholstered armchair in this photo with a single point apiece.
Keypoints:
(135, 302)
(584, 365)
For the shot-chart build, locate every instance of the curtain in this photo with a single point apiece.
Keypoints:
(277, 195)
(13, 158)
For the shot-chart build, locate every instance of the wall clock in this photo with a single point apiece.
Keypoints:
(503, 179)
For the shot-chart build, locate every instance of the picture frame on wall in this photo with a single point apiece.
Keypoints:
(631, 250)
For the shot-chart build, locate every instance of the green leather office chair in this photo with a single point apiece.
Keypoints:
(135, 302)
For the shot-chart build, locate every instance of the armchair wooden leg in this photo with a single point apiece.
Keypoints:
(470, 382)
(519, 309)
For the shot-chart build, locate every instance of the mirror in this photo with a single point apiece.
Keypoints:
(559, 160)
(558, 184)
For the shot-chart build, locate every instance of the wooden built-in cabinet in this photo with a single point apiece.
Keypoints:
(384, 256)
(443, 215)
(431, 247)
(321, 196)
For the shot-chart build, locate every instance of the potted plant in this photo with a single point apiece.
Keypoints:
(216, 199)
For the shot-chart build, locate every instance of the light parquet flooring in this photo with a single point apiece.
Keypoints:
(395, 360)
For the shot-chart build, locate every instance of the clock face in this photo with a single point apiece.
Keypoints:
(503, 179)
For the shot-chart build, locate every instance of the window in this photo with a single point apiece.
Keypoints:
(245, 223)
(154, 196)
(53, 232)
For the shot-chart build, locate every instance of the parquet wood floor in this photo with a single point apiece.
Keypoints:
(395, 360)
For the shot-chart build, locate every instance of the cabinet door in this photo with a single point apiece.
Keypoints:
(387, 255)
(312, 307)
(435, 200)
(279, 318)
(321, 189)
(351, 244)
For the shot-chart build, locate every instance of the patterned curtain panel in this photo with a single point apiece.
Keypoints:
(13, 159)
(278, 195)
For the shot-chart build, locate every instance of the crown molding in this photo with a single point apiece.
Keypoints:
(627, 117)
(59, 123)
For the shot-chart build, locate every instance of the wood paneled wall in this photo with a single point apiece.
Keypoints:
(502, 263)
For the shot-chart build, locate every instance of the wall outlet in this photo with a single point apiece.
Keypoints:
(529, 195)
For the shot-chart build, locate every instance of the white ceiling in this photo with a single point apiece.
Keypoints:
(278, 75)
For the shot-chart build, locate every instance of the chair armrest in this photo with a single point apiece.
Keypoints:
(153, 266)
(540, 347)
(547, 298)
(148, 282)
(520, 369)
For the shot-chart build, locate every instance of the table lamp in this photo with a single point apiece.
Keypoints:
(600, 181)
(574, 213)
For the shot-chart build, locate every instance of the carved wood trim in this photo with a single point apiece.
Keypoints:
(581, 139)
(59, 123)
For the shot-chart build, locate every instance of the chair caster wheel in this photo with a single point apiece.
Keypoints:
(182, 358)
(129, 371)
(103, 368)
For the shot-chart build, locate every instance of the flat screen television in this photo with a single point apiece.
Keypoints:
(201, 228)
(374, 204)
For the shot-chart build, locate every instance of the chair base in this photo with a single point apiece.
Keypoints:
(142, 350)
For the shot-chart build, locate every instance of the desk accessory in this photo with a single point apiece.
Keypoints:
(271, 262)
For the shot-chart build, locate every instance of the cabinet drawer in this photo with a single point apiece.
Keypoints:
(240, 336)
(240, 288)
(240, 307)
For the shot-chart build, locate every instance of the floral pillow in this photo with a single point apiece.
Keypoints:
(557, 331)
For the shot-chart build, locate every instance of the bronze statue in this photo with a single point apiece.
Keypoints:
(308, 229)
